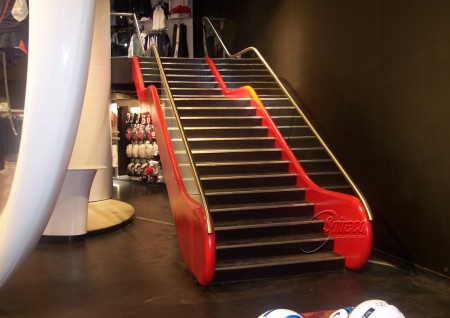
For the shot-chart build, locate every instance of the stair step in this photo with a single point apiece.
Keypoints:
(219, 168)
(263, 223)
(230, 270)
(190, 78)
(283, 101)
(249, 66)
(239, 251)
(254, 84)
(294, 130)
(150, 71)
(288, 120)
(247, 78)
(282, 111)
(263, 230)
(236, 155)
(189, 73)
(213, 101)
(310, 153)
(302, 141)
(203, 85)
(254, 195)
(151, 78)
(196, 91)
(189, 66)
(257, 131)
(329, 178)
(216, 111)
(243, 60)
(343, 188)
(168, 59)
(271, 241)
(231, 143)
(245, 72)
(249, 181)
(267, 91)
(317, 165)
(222, 121)
(258, 211)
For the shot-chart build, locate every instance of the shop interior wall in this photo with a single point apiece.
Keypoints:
(373, 76)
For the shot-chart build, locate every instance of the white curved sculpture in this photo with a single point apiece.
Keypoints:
(59, 50)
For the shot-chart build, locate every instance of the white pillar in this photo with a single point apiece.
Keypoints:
(93, 143)
(59, 51)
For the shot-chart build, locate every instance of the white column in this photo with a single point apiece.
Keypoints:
(59, 51)
(93, 143)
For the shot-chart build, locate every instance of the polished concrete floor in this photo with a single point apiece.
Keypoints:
(138, 272)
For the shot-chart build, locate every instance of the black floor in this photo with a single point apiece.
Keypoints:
(138, 272)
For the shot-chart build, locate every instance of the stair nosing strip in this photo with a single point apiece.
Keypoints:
(206, 151)
(237, 163)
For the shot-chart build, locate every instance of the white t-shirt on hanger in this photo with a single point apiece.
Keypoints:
(159, 18)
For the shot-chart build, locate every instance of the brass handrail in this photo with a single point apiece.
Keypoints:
(330, 153)
(206, 212)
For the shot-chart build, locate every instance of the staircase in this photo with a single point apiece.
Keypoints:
(263, 225)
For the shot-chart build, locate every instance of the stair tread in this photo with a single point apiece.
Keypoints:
(187, 96)
(214, 107)
(253, 190)
(262, 223)
(237, 163)
(221, 128)
(220, 117)
(227, 138)
(201, 151)
(244, 176)
(230, 264)
(272, 240)
(258, 206)
(215, 98)
(322, 173)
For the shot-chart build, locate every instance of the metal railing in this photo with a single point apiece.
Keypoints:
(201, 195)
(207, 24)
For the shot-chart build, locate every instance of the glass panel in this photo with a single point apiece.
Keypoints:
(181, 153)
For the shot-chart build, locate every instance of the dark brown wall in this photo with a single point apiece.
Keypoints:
(374, 77)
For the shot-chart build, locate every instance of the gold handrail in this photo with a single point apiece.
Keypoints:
(206, 212)
(330, 153)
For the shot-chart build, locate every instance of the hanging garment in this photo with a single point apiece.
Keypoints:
(20, 10)
(159, 18)
(179, 41)
(13, 30)
(162, 42)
